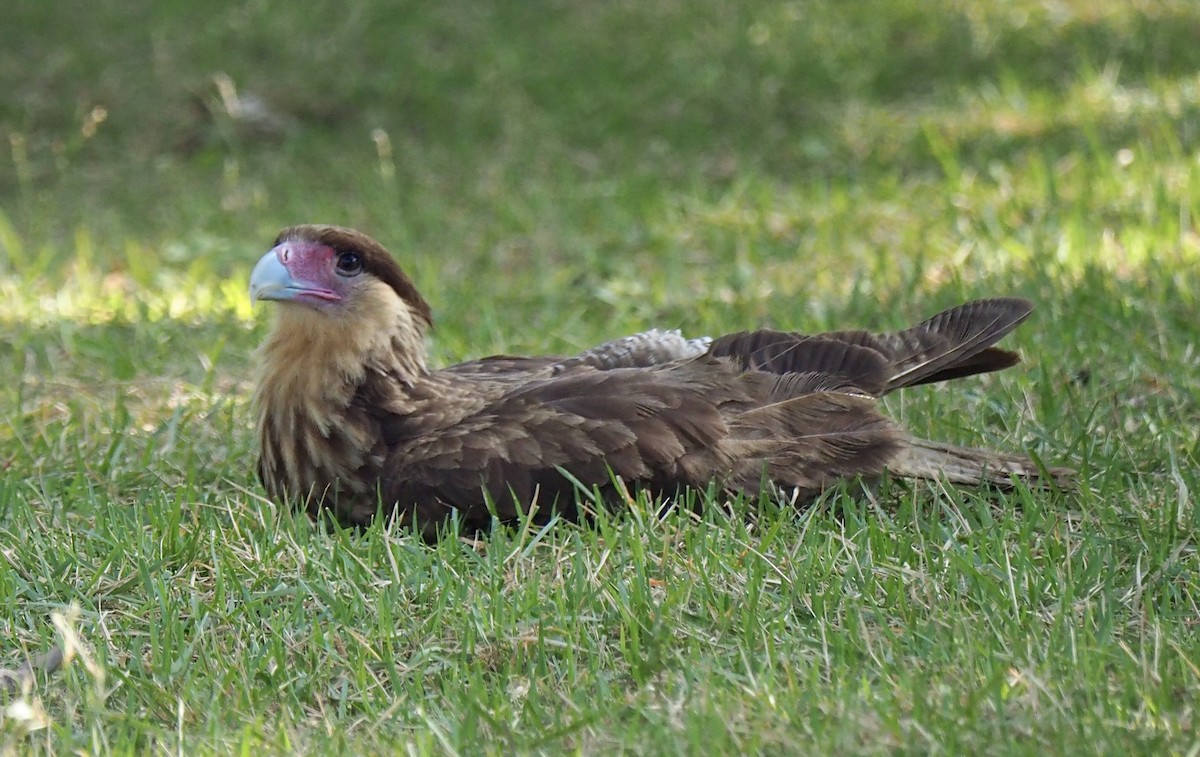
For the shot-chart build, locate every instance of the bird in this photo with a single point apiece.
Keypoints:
(352, 421)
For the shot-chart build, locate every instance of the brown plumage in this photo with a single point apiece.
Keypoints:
(352, 420)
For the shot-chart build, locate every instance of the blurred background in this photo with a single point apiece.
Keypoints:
(684, 163)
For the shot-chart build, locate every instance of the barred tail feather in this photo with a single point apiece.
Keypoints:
(935, 461)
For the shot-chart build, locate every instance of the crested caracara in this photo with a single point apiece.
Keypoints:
(352, 420)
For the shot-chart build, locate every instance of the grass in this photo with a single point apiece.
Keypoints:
(552, 175)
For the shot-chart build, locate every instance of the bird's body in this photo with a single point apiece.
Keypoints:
(352, 420)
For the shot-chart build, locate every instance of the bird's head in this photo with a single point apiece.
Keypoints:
(335, 271)
(346, 308)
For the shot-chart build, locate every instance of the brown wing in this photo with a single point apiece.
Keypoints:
(685, 424)
(503, 367)
(642, 350)
(783, 352)
(954, 343)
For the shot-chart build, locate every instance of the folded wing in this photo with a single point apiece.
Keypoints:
(688, 424)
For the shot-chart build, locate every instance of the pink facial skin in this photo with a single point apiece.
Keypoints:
(307, 272)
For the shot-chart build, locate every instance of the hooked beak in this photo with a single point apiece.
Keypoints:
(271, 280)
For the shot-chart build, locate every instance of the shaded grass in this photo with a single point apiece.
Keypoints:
(551, 175)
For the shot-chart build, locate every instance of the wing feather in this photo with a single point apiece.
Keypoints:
(954, 343)
(699, 421)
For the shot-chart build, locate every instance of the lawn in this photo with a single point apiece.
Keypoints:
(554, 174)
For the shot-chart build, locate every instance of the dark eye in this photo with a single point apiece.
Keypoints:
(349, 263)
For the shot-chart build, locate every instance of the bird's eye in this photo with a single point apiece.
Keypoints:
(349, 263)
